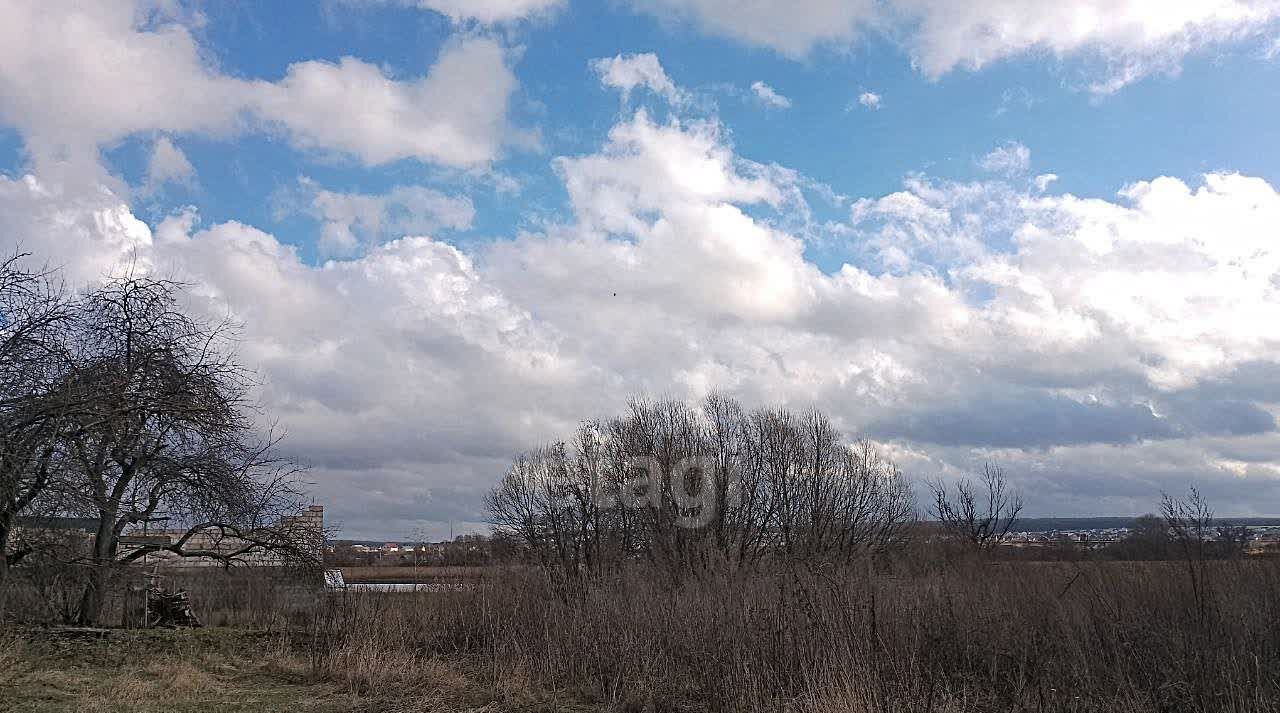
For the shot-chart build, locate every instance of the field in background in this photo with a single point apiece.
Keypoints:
(412, 575)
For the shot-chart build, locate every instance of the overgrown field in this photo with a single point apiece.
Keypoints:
(969, 635)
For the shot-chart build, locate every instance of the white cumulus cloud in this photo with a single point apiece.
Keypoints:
(769, 96)
(168, 164)
(628, 72)
(1063, 335)
(66, 101)
(351, 221)
(484, 11)
(1101, 348)
(1009, 159)
(1044, 180)
(454, 115)
(1129, 39)
(792, 27)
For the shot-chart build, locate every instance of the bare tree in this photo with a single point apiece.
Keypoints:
(1190, 522)
(165, 428)
(34, 315)
(517, 504)
(548, 502)
(979, 515)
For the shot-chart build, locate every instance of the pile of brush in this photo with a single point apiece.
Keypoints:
(169, 609)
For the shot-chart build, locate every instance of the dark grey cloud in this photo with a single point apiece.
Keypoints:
(1025, 419)
(1255, 380)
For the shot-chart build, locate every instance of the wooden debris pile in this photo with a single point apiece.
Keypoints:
(169, 609)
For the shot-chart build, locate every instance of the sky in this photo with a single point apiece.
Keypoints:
(1045, 234)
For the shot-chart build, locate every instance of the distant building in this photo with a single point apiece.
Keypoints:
(74, 534)
(71, 536)
(310, 522)
(78, 524)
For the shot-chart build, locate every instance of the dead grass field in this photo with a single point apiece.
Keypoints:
(956, 636)
(200, 670)
(226, 671)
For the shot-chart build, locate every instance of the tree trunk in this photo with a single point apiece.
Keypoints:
(104, 559)
(4, 564)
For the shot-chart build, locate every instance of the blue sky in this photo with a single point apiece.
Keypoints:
(1214, 113)
(1034, 232)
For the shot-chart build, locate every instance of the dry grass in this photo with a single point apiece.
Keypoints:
(978, 637)
(232, 671)
(959, 636)
(207, 670)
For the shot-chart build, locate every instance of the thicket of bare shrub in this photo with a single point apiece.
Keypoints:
(698, 489)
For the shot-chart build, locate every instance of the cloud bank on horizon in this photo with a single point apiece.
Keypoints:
(450, 238)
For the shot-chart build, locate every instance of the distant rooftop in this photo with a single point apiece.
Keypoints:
(86, 524)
